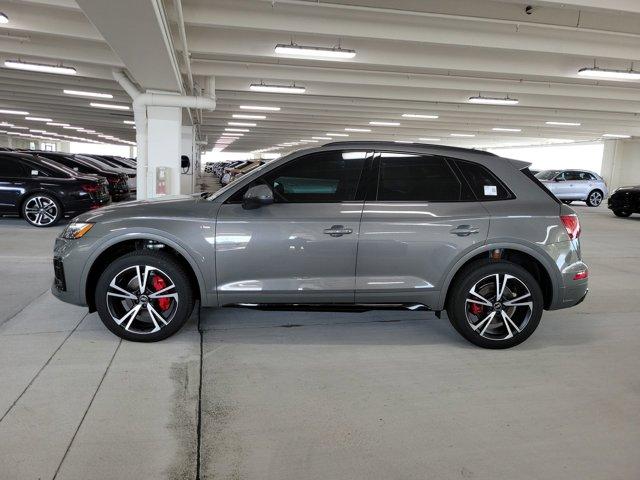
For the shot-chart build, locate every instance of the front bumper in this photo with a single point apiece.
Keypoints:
(624, 202)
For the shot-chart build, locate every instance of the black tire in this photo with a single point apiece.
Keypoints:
(160, 264)
(41, 210)
(621, 213)
(595, 198)
(483, 272)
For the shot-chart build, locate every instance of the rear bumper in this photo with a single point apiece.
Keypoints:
(76, 207)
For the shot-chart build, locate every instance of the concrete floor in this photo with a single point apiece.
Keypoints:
(382, 395)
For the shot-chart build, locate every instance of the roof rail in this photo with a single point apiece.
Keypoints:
(387, 144)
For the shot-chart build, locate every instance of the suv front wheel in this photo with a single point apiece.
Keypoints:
(495, 304)
(144, 296)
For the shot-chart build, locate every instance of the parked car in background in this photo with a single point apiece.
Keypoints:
(349, 224)
(42, 192)
(231, 169)
(106, 162)
(236, 173)
(575, 185)
(625, 200)
(118, 187)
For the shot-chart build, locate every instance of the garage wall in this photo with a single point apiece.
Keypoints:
(621, 163)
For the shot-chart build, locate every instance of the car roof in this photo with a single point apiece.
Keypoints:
(378, 144)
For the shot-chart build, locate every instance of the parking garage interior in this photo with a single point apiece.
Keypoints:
(179, 97)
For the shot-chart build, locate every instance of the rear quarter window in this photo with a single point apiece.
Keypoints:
(484, 184)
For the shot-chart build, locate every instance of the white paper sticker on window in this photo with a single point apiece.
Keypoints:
(490, 190)
(34, 172)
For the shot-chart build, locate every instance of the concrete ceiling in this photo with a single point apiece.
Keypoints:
(412, 56)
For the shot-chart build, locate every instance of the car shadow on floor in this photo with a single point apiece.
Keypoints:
(385, 327)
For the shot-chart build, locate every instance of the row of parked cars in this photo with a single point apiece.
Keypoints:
(230, 171)
(43, 187)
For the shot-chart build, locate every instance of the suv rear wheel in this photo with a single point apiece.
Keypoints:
(595, 198)
(41, 210)
(144, 296)
(495, 304)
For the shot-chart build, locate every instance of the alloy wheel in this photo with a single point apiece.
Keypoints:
(41, 210)
(499, 306)
(595, 198)
(142, 299)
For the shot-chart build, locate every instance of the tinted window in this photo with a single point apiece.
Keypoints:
(10, 167)
(417, 178)
(485, 185)
(317, 178)
(573, 176)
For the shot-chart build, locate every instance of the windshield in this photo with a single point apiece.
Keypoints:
(229, 186)
(547, 174)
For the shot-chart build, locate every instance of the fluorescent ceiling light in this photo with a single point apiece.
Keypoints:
(337, 134)
(385, 124)
(233, 134)
(357, 129)
(249, 117)
(322, 138)
(38, 119)
(14, 112)
(309, 141)
(261, 87)
(15, 127)
(565, 124)
(403, 141)
(616, 135)
(259, 107)
(6, 124)
(39, 67)
(419, 115)
(111, 106)
(325, 53)
(461, 135)
(241, 124)
(57, 124)
(236, 130)
(596, 72)
(425, 139)
(3, 18)
(37, 131)
(503, 129)
(493, 100)
(128, 122)
(82, 93)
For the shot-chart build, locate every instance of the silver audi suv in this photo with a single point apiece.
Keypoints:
(359, 225)
(575, 185)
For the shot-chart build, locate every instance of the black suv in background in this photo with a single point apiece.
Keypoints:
(43, 192)
(118, 188)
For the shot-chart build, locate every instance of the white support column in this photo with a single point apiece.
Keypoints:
(621, 163)
(189, 148)
(164, 148)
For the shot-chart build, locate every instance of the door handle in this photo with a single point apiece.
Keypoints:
(464, 230)
(338, 231)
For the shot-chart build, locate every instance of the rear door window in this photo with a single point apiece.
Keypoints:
(10, 168)
(406, 177)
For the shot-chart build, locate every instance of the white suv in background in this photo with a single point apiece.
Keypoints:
(574, 185)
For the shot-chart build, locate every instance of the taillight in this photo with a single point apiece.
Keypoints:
(572, 225)
(91, 187)
(581, 275)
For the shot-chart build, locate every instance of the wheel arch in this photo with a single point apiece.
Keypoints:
(115, 248)
(542, 269)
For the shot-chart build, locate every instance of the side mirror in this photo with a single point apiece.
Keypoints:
(257, 196)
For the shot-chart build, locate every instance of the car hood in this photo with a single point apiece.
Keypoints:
(631, 188)
(178, 206)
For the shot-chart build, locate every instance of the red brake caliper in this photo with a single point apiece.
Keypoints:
(159, 284)
(475, 309)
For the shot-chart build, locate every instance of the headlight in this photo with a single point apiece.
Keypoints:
(76, 230)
